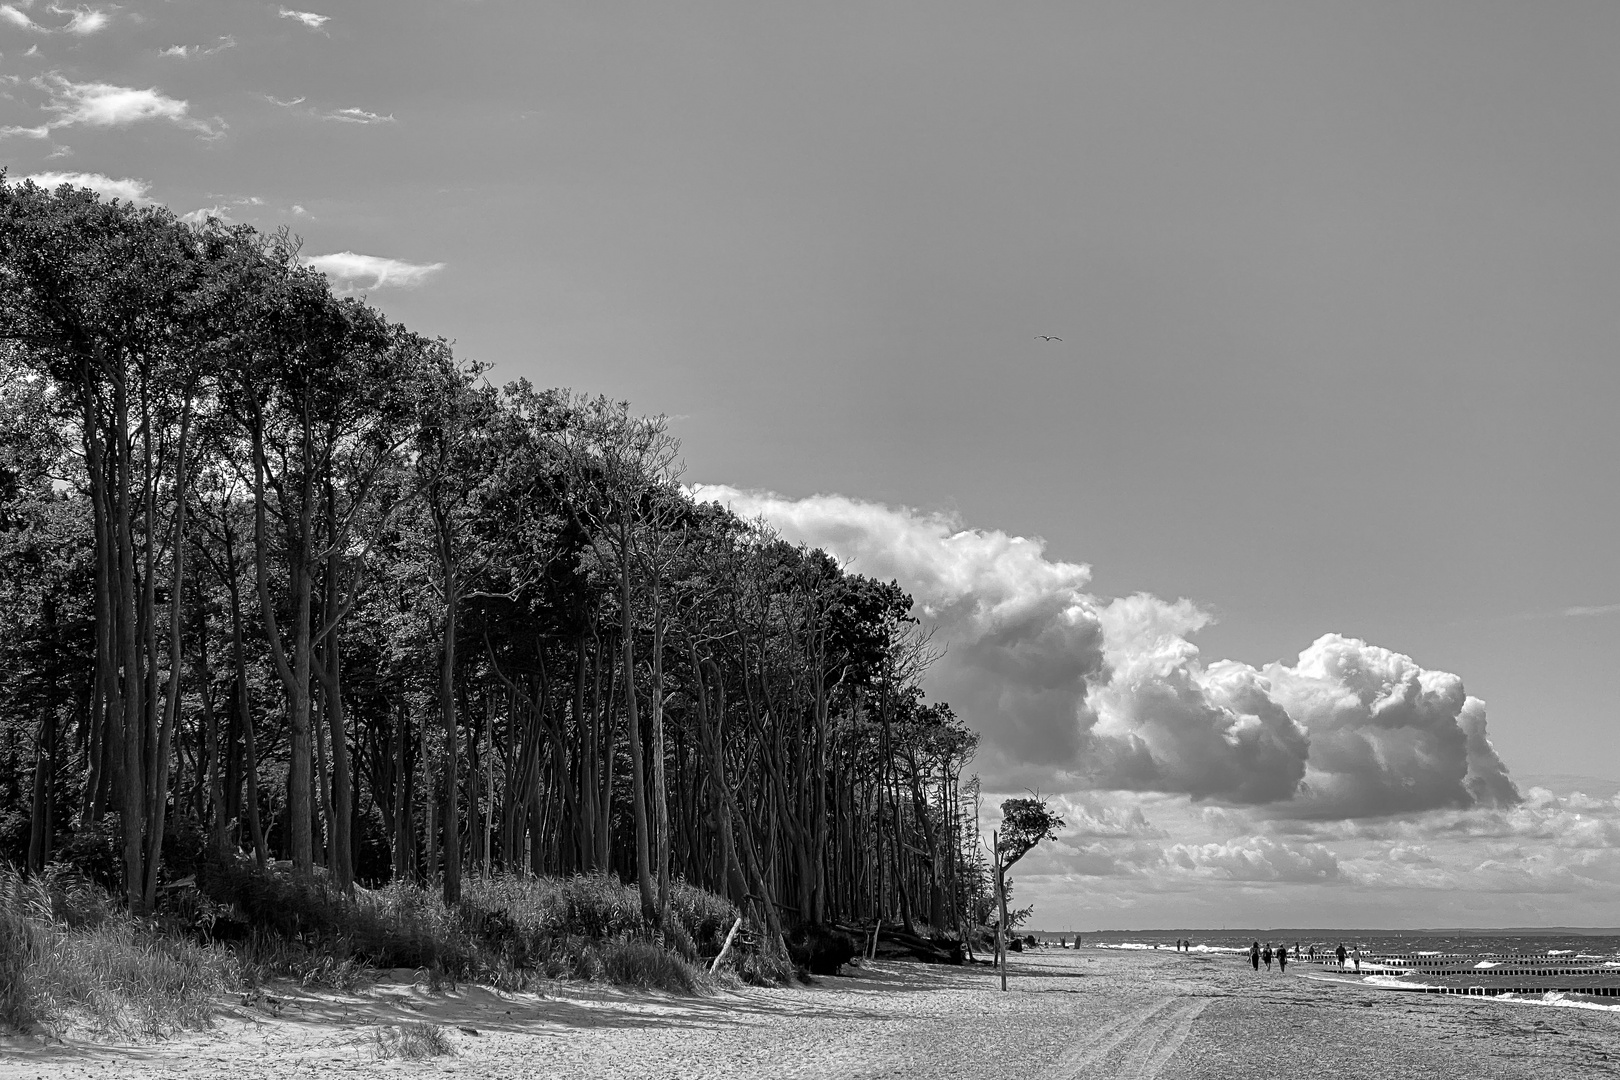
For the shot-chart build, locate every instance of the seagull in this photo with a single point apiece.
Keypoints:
(1047, 337)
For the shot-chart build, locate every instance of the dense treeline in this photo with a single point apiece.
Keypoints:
(279, 577)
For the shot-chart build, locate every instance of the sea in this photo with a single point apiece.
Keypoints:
(1559, 965)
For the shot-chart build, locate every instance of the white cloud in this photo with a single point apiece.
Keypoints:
(85, 20)
(20, 19)
(128, 189)
(346, 116)
(1073, 692)
(1592, 611)
(357, 116)
(308, 18)
(183, 51)
(350, 270)
(200, 217)
(107, 105)
(81, 20)
(1257, 858)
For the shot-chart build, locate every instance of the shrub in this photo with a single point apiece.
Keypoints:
(639, 963)
(412, 1042)
(764, 967)
(821, 950)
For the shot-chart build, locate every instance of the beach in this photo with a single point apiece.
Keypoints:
(1092, 1013)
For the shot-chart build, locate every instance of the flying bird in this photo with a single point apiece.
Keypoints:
(1047, 337)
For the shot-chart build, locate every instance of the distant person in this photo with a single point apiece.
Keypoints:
(1358, 960)
(1265, 954)
(1282, 957)
(1254, 955)
(1313, 953)
(1339, 952)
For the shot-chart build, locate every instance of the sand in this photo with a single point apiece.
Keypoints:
(1090, 1013)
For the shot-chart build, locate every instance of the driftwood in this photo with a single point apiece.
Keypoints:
(918, 948)
(726, 948)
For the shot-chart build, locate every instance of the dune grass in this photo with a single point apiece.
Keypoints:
(412, 1042)
(71, 958)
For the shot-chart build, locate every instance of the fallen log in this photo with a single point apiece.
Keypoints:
(893, 941)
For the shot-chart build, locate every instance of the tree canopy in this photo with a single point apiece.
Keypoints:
(281, 579)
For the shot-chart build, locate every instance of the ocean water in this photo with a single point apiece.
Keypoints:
(1563, 967)
(1477, 943)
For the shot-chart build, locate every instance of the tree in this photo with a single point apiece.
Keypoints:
(260, 548)
(1024, 824)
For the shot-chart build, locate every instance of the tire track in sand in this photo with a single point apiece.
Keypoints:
(1143, 1041)
(1149, 1056)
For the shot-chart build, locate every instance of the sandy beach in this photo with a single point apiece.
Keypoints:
(1092, 1013)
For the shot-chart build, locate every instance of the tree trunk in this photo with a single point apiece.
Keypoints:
(244, 705)
(660, 792)
(447, 708)
(638, 781)
(132, 692)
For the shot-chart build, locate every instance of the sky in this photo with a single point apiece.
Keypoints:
(1288, 571)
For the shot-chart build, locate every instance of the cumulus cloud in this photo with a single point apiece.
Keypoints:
(107, 105)
(128, 188)
(1077, 692)
(1257, 858)
(1386, 736)
(308, 18)
(1164, 722)
(1022, 636)
(349, 270)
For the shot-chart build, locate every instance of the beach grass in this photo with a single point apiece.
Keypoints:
(68, 957)
(71, 958)
(412, 1042)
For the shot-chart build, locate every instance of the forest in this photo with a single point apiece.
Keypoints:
(283, 581)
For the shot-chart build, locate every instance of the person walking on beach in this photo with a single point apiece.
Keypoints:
(1282, 958)
(1254, 955)
(1265, 954)
(1358, 960)
(1339, 952)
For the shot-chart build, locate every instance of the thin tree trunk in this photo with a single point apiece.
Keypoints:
(447, 709)
(638, 778)
(244, 704)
